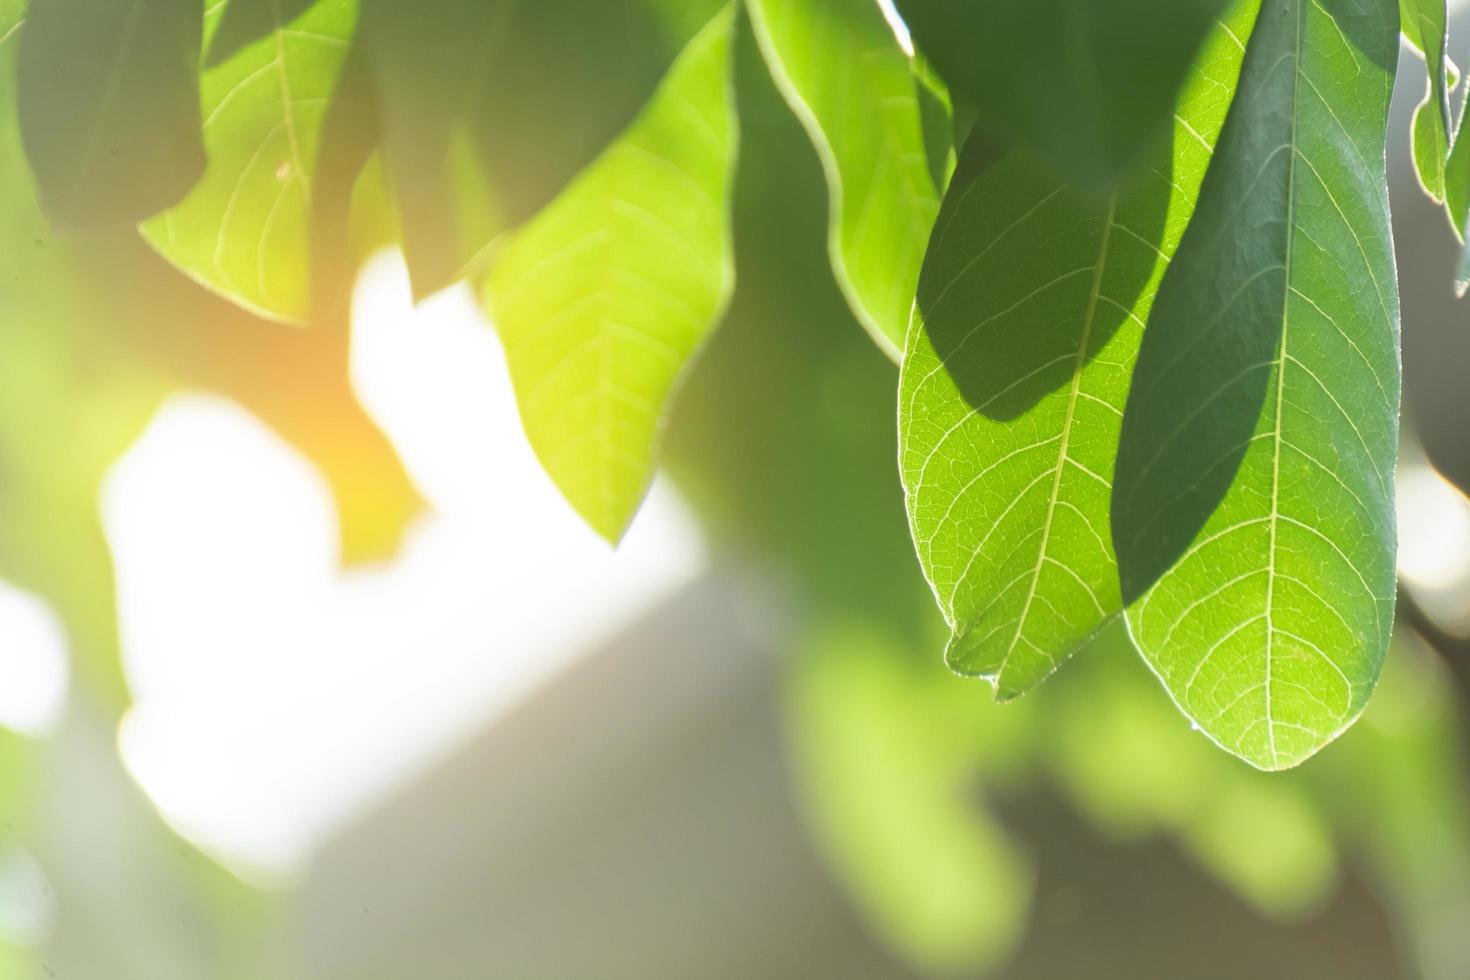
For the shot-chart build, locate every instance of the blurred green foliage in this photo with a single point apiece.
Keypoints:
(785, 440)
(899, 763)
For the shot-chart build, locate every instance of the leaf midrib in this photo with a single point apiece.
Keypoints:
(1079, 362)
(1281, 362)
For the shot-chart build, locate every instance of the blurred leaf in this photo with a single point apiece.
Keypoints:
(1253, 514)
(98, 330)
(1089, 82)
(1414, 824)
(12, 14)
(883, 758)
(1269, 843)
(791, 385)
(1029, 313)
(840, 68)
(109, 106)
(286, 130)
(941, 133)
(491, 106)
(605, 296)
(1424, 24)
(1129, 762)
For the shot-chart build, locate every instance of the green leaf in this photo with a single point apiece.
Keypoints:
(12, 15)
(603, 299)
(1424, 26)
(109, 106)
(1253, 512)
(286, 132)
(1029, 313)
(886, 761)
(841, 70)
(1089, 82)
(491, 106)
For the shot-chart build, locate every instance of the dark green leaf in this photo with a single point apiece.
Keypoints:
(109, 106)
(841, 70)
(606, 295)
(1029, 313)
(1253, 512)
(1089, 82)
(491, 106)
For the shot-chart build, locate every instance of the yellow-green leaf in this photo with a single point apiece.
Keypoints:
(604, 297)
(285, 133)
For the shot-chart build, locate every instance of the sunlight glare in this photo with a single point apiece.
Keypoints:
(276, 695)
(1434, 545)
(900, 29)
(33, 661)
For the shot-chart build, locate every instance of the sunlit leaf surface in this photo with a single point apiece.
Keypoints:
(1424, 24)
(604, 297)
(109, 106)
(285, 136)
(1090, 82)
(841, 70)
(1253, 513)
(1027, 324)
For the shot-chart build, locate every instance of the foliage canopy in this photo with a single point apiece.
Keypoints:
(1133, 258)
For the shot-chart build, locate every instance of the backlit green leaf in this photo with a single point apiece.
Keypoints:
(1424, 25)
(1029, 313)
(1090, 82)
(109, 106)
(491, 106)
(602, 299)
(841, 70)
(285, 134)
(12, 13)
(1253, 513)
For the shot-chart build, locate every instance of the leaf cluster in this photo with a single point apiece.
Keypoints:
(1133, 258)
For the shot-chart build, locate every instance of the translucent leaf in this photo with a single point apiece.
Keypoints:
(12, 13)
(1253, 512)
(841, 70)
(491, 106)
(1089, 82)
(602, 299)
(1424, 25)
(109, 106)
(286, 133)
(1029, 313)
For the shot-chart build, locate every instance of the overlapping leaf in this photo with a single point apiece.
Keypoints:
(1028, 319)
(109, 106)
(604, 297)
(1424, 24)
(841, 70)
(1253, 512)
(491, 106)
(1090, 82)
(285, 133)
